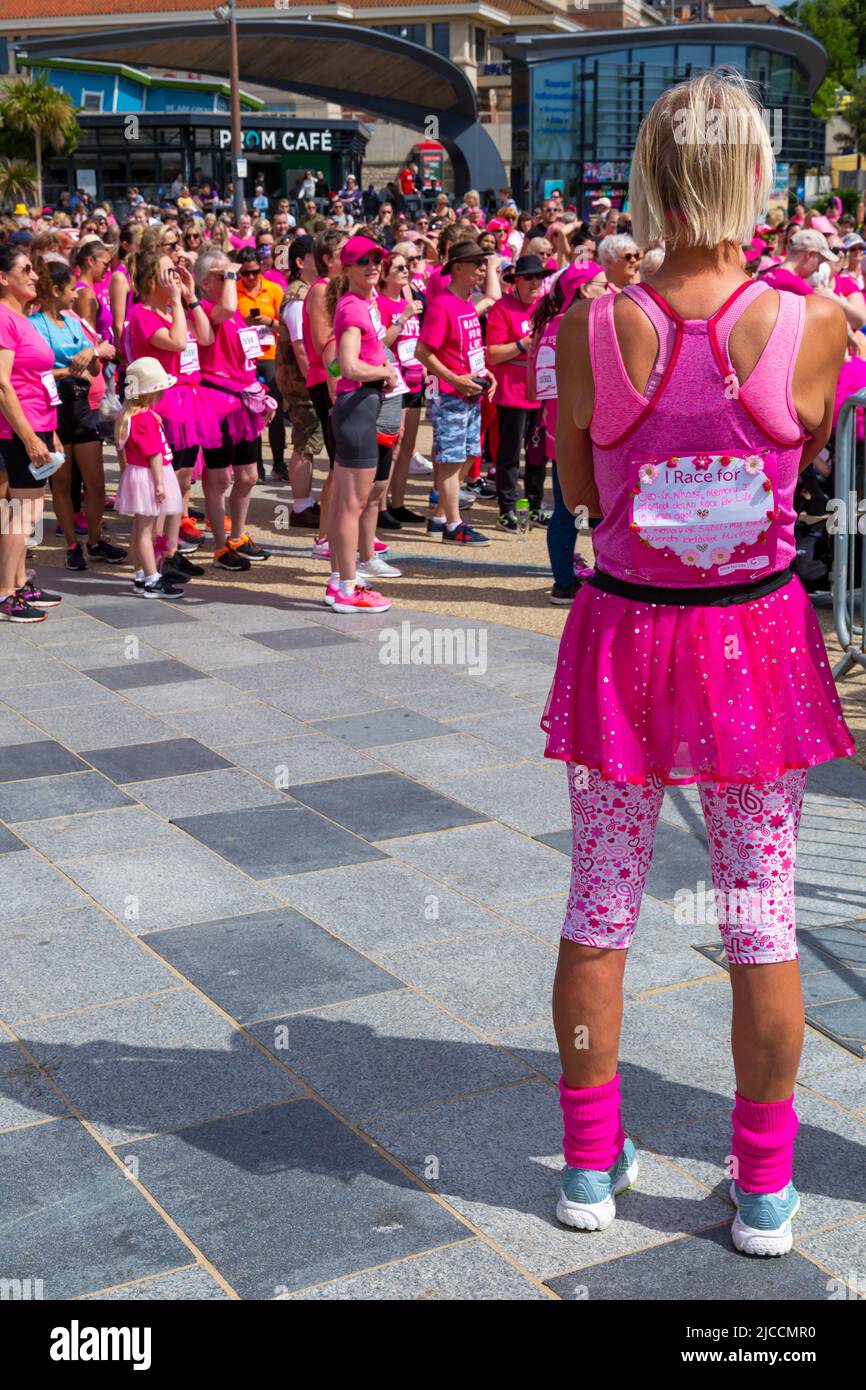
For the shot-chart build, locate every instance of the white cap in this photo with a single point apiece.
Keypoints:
(144, 376)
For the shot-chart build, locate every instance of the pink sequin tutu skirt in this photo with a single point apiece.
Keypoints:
(231, 418)
(188, 417)
(694, 694)
(136, 494)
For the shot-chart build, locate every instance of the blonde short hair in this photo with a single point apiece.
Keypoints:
(703, 164)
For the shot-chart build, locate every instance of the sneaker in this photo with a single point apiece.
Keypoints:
(187, 546)
(161, 588)
(332, 593)
(75, 558)
(762, 1225)
(104, 550)
(195, 514)
(467, 498)
(482, 488)
(180, 570)
(362, 600)
(507, 521)
(465, 535)
(419, 464)
(228, 559)
(562, 598)
(389, 522)
(377, 568)
(247, 547)
(435, 528)
(310, 517)
(279, 473)
(380, 548)
(433, 497)
(406, 516)
(541, 517)
(81, 526)
(189, 530)
(321, 550)
(38, 598)
(13, 609)
(586, 1199)
(227, 525)
(137, 584)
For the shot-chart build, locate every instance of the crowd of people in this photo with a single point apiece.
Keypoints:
(192, 335)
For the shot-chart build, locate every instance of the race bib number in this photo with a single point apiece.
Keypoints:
(704, 516)
(250, 343)
(49, 381)
(476, 361)
(189, 358)
(401, 388)
(266, 336)
(376, 320)
(406, 350)
(545, 373)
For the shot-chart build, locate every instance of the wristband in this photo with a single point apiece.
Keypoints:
(230, 275)
(193, 304)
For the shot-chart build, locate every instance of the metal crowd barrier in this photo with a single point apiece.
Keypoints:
(849, 595)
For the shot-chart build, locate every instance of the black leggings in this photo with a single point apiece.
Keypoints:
(321, 398)
(516, 427)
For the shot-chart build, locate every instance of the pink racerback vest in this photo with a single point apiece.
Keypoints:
(696, 479)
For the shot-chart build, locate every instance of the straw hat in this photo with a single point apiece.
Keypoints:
(144, 376)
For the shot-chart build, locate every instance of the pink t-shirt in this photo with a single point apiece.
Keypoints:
(32, 363)
(353, 311)
(452, 329)
(144, 323)
(277, 277)
(406, 341)
(316, 371)
(781, 279)
(146, 437)
(234, 352)
(507, 321)
(239, 242)
(846, 285)
(437, 282)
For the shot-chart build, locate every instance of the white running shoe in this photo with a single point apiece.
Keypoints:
(419, 464)
(321, 550)
(377, 568)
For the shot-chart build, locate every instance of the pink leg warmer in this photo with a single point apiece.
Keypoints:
(594, 1135)
(763, 1143)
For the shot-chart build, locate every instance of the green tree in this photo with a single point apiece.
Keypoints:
(17, 181)
(840, 25)
(853, 114)
(34, 107)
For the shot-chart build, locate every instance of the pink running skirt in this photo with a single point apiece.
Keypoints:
(230, 416)
(694, 694)
(188, 418)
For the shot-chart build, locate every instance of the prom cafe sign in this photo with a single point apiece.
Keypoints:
(306, 138)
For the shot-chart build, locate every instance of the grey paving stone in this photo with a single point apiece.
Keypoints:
(257, 1194)
(216, 657)
(470, 1271)
(202, 792)
(40, 797)
(259, 615)
(463, 701)
(132, 613)
(839, 779)
(300, 758)
(80, 628)
(98, 833)
(101, 726)
(30, 667)
(77, 690)
(26, 1097)
(28, 885)
(495, 982)
(294, 639)
(843, 1251)
(274, 674)
(15, 730)
(384, 804)
(60, 961)
(384, 906)
(150, 889)
(680, 863)
(831, 986)
(193, 1283)
(844, 1018)
(169, 757)
(821, 900)
(542, 916)
(516, 729)
(226, 725)
(390, 1052)
(268, 964)
(39, 758)
(149, 1065)
(517, 677)
(500, 1159)
(697, 1269)
(78, 1222)
(9, 843)
(532, 798)
(306, 697)
(165, 699)
(380, 726)
(137, 673)
(443, 757)
(271, 840)
(487, 862)
(845, 1084)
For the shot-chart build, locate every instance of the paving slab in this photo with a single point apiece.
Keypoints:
(37, 758)
(268, 841)
(470, 1271)
(203, 792)
(384, 805)
(168, 757)
(487, 862)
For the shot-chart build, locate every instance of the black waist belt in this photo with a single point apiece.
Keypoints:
(714, 596)
(214, 386)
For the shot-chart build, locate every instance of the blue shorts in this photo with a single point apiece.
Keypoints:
(456, 428)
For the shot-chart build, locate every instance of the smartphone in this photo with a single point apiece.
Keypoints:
(255, 314)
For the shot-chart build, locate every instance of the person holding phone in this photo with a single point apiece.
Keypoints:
(260, 301)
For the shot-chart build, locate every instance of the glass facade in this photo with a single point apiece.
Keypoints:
(585, 111)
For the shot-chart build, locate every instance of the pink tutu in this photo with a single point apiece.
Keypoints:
(694, 694)
(231, 416)
(188, 418)
(136, 495)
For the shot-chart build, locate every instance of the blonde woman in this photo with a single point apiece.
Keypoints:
(691, 655)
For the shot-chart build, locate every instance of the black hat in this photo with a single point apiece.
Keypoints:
(525, 265)
(465, 251)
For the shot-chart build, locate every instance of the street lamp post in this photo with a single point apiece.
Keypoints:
(226, 15)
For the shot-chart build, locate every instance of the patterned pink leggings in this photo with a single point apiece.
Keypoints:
(752, 833)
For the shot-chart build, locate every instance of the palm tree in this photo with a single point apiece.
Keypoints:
(35, 107)
(17, 181)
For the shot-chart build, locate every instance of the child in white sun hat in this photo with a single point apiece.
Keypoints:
(148, 487)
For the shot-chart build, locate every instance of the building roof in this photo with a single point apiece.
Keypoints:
(338, 9)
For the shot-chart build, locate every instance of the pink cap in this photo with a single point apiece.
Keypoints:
(574, 276)
(755, 250)
(498, 224)
(823, 224)
(357, 247)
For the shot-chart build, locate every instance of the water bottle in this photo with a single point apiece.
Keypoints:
(523, 519)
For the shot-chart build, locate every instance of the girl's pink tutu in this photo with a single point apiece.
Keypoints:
(710, 694)
(136, 495)
(230, 415)
(188, 417)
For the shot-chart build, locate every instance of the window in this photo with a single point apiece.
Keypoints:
(441, 39)
(480, 45)
(91, 101)
(415, 33)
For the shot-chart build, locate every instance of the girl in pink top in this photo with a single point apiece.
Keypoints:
(148, 487)
(687, 408)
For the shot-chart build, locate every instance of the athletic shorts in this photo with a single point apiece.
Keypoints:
(353, 421)
(184, 458)
(231, 454)
(414, 400)
(383, 468)
(77, 422)
(307, 435)
(14, 458)
(456, 428)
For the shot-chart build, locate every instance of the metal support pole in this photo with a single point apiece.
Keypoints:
(237, 140)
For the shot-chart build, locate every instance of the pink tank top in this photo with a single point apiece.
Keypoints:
(696, 479)
(316, 373)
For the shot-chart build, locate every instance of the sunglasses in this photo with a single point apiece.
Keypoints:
(170, 245)
(631, 256)
(26, 269)
(369, 260)
(192, 236)
(533, 276)
(249, 272)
